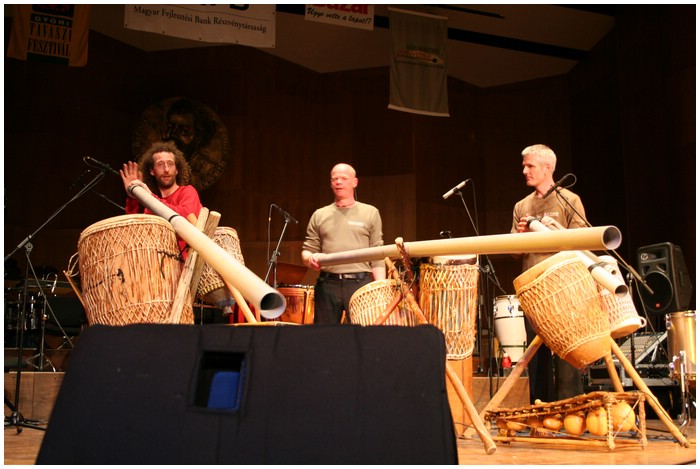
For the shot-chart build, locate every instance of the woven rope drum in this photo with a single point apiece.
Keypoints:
(211, 286)
(129, 269)
(560, 299)
(369, 302)
(448, 298)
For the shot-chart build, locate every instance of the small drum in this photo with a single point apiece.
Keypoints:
(622, 313)
(560, 299)
(369, 302)
(448, 298)
(681, 338)
(300, 304)
(33, 312)
(509, 322)
(129, 269)
(211, 286)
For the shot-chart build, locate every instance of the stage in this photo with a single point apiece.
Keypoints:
(39, 389)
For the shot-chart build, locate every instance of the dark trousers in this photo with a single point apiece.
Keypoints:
(551, 378)
(332, 297)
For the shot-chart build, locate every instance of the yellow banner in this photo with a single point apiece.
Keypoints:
(50, 33)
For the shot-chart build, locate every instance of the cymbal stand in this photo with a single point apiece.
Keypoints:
(16, 419)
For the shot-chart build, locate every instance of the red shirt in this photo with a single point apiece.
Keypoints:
(184, 201)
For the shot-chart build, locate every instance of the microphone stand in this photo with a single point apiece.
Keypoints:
(490, 274)
(16, 419)
(275, 254)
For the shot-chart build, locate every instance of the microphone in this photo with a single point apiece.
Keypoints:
(101, 165)
(286, 215)
(454, 189)
(556, 185)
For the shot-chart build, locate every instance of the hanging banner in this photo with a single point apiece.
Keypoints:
(352, 16)
(50, 33)
(248, 25)
(418, 63)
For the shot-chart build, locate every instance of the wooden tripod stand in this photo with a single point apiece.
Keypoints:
(498, 398)
(407, 295)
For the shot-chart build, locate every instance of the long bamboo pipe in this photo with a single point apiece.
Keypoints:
(593, 264)
(605, 237)
(266, 299)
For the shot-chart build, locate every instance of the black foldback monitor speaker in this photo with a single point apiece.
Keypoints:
(663, 268)
(213, 394)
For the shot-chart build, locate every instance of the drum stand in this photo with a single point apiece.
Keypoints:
(651, 399)
(686, 395)
(407, 294)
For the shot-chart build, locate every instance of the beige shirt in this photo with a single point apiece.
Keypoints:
(553, 207)
(333, 229)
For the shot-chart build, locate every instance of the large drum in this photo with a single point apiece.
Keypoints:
(369, 302)
(129, 269)
(622, 313)
(560, 299)
(509, 322)
(300, 304)
(211, 286)
(681, 338)
(448, 299)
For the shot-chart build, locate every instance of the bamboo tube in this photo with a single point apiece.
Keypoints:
(593, 264)
(182, 293)
(606, 237)
(268, 301)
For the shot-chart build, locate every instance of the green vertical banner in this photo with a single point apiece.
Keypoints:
(418, 63)
(50, 33)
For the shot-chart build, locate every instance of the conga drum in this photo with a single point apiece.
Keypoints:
(129, 270)
(680, 328)
(211, 286)
(509, 323)
(622, 313)
(448, 299)
(560, 299)
(369, 302)
(300, 304)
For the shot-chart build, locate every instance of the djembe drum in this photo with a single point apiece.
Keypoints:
(211, 286)
(560, 299)
(448, 299)
(369, 302)
(129, 268)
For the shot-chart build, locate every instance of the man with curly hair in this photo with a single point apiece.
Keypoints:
(164, 171)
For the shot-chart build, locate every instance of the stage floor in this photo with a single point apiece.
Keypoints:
(39, 391)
